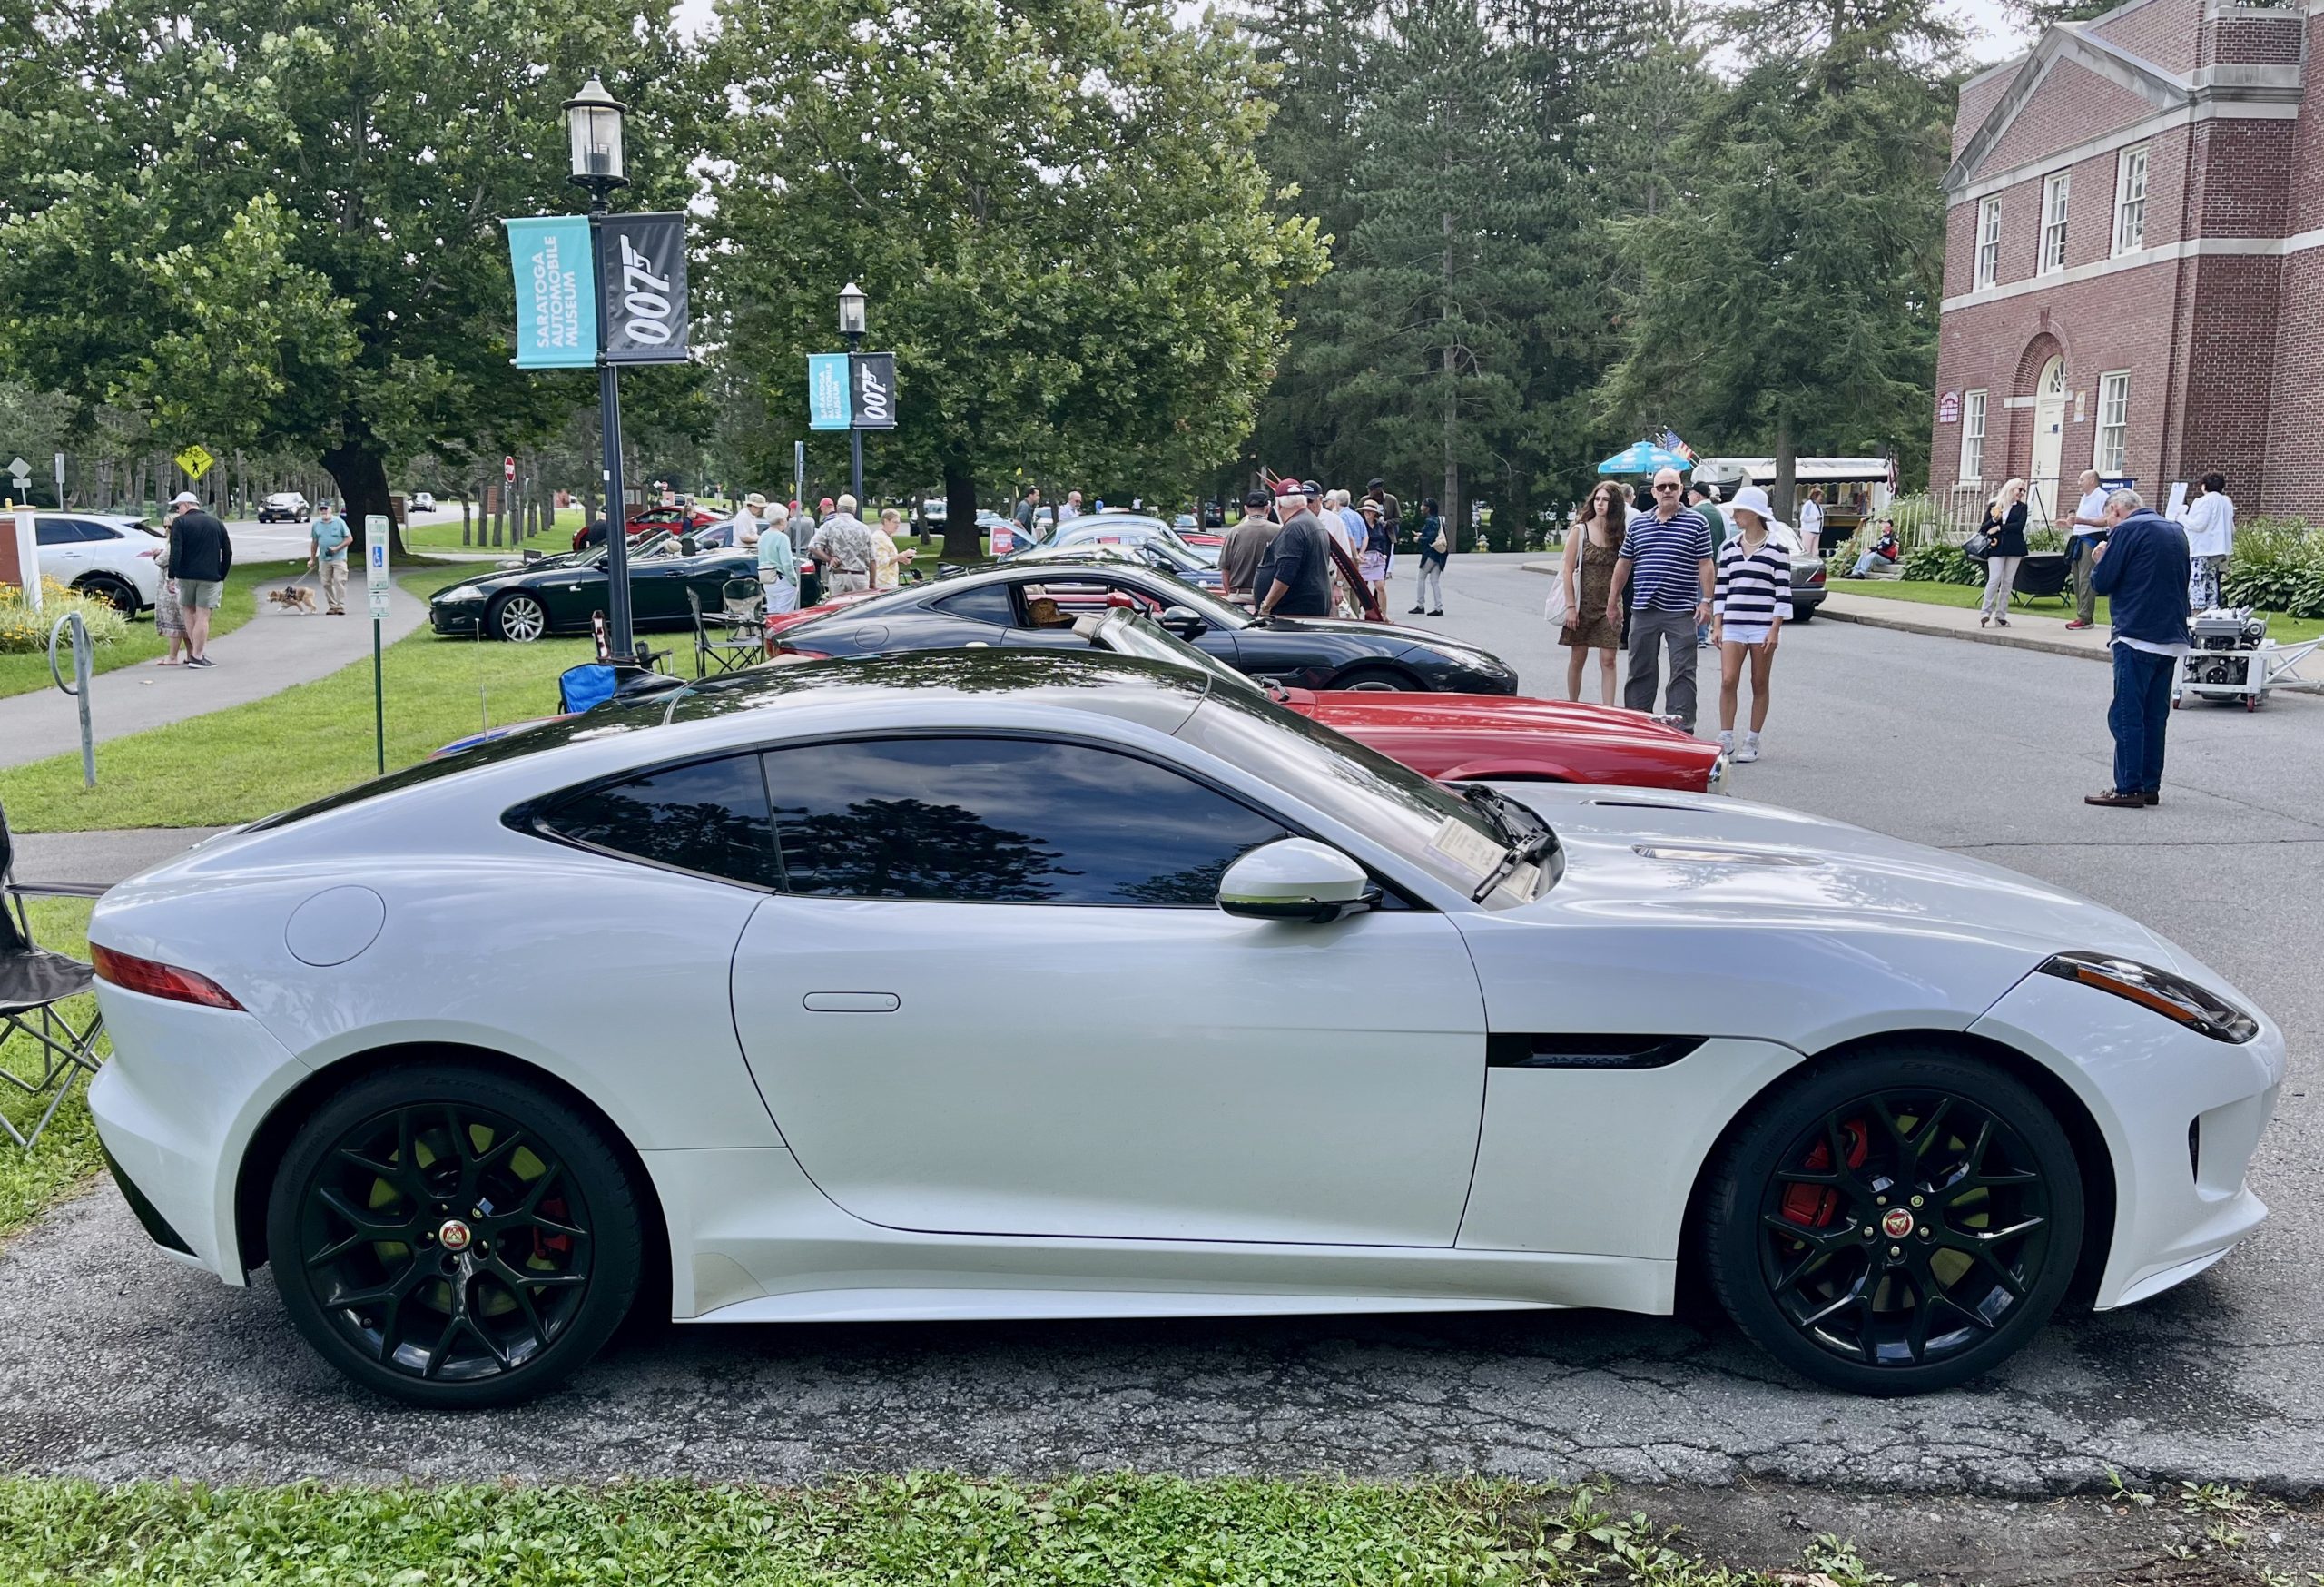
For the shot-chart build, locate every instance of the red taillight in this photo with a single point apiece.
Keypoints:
(804, 654)
(159, 980)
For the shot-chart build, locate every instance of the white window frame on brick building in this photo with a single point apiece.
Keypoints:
(1972, 438)
(2056, 195)
(2109, 451)
(1988, 241)
(2129, 198)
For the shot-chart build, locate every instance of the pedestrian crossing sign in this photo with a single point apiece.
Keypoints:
(195, 460)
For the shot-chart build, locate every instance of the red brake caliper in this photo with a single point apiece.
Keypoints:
(1813, 1205)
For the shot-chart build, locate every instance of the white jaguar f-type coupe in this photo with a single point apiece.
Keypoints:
(1004, 984)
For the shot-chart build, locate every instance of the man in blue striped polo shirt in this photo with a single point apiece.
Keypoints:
(1665, 571)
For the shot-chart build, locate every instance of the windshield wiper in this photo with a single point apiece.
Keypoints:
(1524, 834)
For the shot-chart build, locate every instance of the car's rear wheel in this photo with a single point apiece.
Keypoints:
(520, 618)
(1895, 1222)
(452, 1236)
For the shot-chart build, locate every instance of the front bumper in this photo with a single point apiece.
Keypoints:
(465, 621)
(175, 1107)
(2181, 1113)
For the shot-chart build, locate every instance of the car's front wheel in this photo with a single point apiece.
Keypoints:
(1896, 1221)
(452, 1236)
(520, 618)
(116, 593)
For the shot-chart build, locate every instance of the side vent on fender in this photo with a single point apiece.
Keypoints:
(1562, 1051)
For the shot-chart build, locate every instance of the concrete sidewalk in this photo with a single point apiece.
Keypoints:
(105, 857)
(271, 653)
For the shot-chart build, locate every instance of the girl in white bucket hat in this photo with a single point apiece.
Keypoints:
(1749, 606)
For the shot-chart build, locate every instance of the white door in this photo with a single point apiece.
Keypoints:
(2049, 443)
(997, 999)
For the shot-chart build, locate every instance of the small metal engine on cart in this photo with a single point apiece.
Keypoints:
(2232, 659)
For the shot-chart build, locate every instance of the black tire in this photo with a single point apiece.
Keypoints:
(509, 618)
(448, 1316)
(1378, 678)
(116, 593)
(1805, 614)
(1935, 1150)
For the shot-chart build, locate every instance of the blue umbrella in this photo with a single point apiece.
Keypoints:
(1644, 458)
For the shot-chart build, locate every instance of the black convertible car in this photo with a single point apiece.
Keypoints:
(556, 595)
(1035, 606)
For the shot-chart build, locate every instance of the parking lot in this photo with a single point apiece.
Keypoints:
(119, 1362)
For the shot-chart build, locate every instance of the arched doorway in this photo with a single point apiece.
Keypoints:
(2049, 441)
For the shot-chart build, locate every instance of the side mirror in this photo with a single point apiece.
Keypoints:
(1296, 879)
(1185, 622)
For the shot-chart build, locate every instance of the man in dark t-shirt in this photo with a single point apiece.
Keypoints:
(1301, 585)
(201, 556)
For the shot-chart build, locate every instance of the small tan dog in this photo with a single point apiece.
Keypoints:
(293, 599)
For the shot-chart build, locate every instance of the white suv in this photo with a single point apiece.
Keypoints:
(112, 559)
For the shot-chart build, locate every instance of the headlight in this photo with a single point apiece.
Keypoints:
(1718, 778)
(457, 598)
(2173, 997)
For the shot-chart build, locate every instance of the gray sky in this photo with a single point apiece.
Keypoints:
(1991, 36)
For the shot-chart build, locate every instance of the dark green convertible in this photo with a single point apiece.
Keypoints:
(557, 594)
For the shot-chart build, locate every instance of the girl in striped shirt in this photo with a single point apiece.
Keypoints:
(1749, 607)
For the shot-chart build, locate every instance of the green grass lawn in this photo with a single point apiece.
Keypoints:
(1928, 592)
(68, 1153)
(247, 760)
(22, 673)
(885, 1532)
(442, 535)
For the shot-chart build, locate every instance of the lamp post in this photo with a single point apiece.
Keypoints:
(592, 117)
(851, 325)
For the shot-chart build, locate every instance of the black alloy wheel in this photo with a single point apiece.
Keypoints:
(118, 593)
(453, 1237)
(1895, 1222)
(1378, 680)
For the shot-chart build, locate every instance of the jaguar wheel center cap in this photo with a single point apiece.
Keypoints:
(1896, 1224)
(455, 1236)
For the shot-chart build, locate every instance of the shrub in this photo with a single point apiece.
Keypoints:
(2278, 567)
(1942, 563)
(23, 630)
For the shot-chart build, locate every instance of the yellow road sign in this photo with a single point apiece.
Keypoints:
(195, 460)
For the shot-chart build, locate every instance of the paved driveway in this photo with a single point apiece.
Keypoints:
(115, 1361)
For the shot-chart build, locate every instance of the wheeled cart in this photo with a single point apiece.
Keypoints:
(2233, 659)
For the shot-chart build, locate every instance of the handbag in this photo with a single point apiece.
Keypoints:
(1979, 546)
(1553, 610)
(1440, 544)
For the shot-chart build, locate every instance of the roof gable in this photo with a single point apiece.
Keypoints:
(2141, 86)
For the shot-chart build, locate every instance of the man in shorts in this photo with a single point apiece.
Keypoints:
(201, 556)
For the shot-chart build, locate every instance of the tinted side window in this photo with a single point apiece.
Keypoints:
(988, 605)
(57, 531)
(1002, 820)
(710, 817)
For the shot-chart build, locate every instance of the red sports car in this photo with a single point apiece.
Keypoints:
(647, 519)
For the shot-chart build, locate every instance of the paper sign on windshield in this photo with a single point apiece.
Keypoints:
(1467, 847)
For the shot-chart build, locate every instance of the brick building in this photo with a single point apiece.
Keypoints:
(2134, 259)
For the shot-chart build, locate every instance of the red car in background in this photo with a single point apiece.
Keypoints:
(645, 520)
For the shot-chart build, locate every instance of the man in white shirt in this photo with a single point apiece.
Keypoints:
(749, 519)
(1072, 509)
(2209, 524)
(2085, 532)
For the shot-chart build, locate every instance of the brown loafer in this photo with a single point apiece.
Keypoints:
(2112, 798)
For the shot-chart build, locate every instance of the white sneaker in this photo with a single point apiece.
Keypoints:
(1750, 750)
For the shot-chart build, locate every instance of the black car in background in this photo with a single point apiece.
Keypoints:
(557, 594)
(1034, 607)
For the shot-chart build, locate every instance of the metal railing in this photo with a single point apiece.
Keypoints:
(78, 688)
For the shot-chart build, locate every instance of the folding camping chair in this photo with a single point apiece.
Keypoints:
(743, 646)
(32, 983)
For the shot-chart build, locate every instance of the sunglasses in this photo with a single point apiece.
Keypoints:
(1660, 489)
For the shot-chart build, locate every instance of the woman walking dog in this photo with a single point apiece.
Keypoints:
(1749, 609)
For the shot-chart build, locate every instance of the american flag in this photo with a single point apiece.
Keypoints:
(1895, 483)
(1671, 443)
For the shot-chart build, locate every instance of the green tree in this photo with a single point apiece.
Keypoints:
(1054, 209)
(1790, 299)
(275, 223)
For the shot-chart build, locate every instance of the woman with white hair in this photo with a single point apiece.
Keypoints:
(2004, 526)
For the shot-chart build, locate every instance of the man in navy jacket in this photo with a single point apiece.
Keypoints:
(2143, 569)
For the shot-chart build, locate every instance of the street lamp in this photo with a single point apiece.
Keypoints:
(851, 325)
(592, 118)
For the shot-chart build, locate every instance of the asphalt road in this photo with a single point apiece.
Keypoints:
(116, 1363)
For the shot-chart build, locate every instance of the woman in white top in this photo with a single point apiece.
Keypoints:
(1748, 609)
(778, 563)
(1811, 521)
(2210, 540)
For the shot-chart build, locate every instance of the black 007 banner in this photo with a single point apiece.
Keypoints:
(642, 288)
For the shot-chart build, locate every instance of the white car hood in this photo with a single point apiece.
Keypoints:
(1680, 858)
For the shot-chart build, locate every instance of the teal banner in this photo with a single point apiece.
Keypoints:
(828, 406)
(557, 308)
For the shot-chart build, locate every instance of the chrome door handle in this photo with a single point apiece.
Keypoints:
(852, 1002)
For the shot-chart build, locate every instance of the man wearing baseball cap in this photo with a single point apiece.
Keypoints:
(1247, 547)
(1298, 574)
(201, 556)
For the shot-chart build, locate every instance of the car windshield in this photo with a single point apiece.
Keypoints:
(1133, 634)
(1486, 846)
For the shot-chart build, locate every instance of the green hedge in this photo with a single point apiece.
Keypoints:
(2278, 567)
